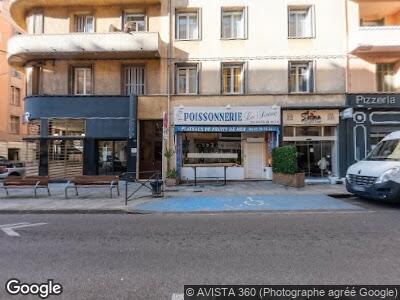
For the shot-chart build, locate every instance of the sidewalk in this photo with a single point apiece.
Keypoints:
(97, 200)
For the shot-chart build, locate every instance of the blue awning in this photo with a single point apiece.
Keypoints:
(185, 128)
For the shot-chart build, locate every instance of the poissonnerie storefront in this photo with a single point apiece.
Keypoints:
(239, 139)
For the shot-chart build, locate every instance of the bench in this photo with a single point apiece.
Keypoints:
(35, 182)
(87, 181)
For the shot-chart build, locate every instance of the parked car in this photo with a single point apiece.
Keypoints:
(378, 175)
(11, 169)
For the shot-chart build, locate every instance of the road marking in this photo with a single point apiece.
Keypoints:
(15, 224)
(9, 229)
(250, 201)
(178, 297)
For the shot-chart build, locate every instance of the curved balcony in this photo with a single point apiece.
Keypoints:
(25, 48)
(20, 8)
(376, 40)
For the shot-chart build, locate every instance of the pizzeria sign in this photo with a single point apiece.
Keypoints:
(237, 115)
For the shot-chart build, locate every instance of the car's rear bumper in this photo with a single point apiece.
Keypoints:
(388, 191)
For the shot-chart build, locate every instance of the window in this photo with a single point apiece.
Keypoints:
(301, 22)
(186, 79)
(232, 79)
(301, 77)
(385, 77)
(233, 24)
(134, 22)
(134, 80)
(15, 96)
(83, 81)
(84, 23)
(35, 25)
(14, 124)
(187, 26)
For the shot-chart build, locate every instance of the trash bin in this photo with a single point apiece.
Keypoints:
(156, 188)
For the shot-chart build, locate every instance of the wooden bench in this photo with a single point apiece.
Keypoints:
(35, 182)
(87, 181)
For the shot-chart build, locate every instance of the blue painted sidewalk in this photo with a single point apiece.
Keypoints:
(246, 203)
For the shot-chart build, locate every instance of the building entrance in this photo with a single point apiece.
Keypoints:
(315, 157)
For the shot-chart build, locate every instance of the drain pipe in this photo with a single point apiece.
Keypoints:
(169, 57)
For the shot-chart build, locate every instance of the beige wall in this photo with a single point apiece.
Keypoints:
(267, 48)
(265, 51)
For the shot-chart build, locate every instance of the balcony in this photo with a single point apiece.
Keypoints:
(376, 40)
(20, 8)
(121, 45)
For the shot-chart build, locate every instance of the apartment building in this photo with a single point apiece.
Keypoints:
(373, 76)
(12, 90)
(219, 82)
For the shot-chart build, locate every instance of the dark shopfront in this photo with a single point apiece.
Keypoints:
(369, 118)
(78, 135)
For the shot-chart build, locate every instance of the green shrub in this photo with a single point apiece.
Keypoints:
(172, 173)
(284, 160)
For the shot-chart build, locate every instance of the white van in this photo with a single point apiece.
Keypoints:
(378, 175)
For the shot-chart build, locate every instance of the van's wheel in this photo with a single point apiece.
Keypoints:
(14, 174)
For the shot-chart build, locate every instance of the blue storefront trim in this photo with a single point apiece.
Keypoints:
(184, 128)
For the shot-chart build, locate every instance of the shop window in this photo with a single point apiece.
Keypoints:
(288, 131)
(67, 127)
(187, 25)
(134, 22)
(301, 22)
(187, 79)
(309, 131)
(233, 23)
(385, 77)
(301, 79)
(211, 148)
(329, 131)
(84, 23)
(233, 78)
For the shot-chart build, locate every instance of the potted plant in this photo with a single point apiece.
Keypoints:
(171, 176)
(285, 168)
(171, 179)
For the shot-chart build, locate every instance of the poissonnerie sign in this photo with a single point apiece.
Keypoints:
(253, 115)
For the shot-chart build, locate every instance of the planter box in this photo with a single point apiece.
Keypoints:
(171, 182)
(293, 180)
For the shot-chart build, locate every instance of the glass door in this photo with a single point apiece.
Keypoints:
(315, 157)
(112, 157)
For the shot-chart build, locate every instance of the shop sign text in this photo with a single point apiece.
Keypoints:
(263, 115)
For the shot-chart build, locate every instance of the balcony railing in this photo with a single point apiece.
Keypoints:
(376, 39)
(25, 48)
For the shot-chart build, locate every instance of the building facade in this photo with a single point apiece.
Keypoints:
(221, 83)
(12, 91)
(373, 98)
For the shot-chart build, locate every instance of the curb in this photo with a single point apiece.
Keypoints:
(65, 211)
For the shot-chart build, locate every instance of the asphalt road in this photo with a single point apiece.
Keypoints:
(153, 256)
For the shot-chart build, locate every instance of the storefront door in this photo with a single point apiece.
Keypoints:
(254, 160)
(315, 157)
(150, 155)
(112, 157)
